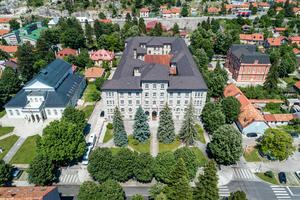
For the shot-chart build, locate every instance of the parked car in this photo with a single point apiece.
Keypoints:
(251, 135)
(282, 177)
(294, 135)
(269, 155)
(92, 140)
(297, 174)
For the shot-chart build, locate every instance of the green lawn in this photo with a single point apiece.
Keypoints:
(89, 92)
(2, 113)
(200, 156)
(200, 135)
(27, 151)
(267, 179)
(109, 134)
(7, 143)
(88, 110)
(139, 147)
(169, 147)
(252, 156)
(114, 150)
(5, 130)
(290, 80)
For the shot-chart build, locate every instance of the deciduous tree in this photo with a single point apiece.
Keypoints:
(111, 190)
(166, 129)
(122, 165)
(89, 190)
(74, 116)
(13, 24)
(143, 167)
(164, 161)
(190, 160)
(10, 80)
(156, 190)
(237, 195)
(5, 173)
(231, 108)
(120, 136)
(141, 130)
(137, 197)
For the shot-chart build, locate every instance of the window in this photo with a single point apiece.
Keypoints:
(147, 102)
(129, 94)
(162, 86)
(161, 102)
(147, 94)
(154, 86)
(122, 102)
(130, 102)
(41, 99)
(154, 102)
(137, 102)
(122, 109)
(249, 70)
(261, 77)
(187, 95)
(178, 95)
(171, 94)
(36, 100)
(186, 102)
(154, 94)
(147, 86)
(263, 70)
(253, 70)
(137, 94)
(55, 112)
(130, 109)
(177, 116)
(177, 109)
(162, 94)
(121, 95)
(178, 102)
(17, 111)
(171, 102)
(243, 77)
(11, 112)
(257, 70)
(49, 112)
(244, 70)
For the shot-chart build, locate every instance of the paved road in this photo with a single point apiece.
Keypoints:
(14, 149)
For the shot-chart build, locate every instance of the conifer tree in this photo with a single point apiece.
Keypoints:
(188, 131)
(272, 78)
(120, 136)
(166, 129)
(207, 185)
(141, 130)
(178, 187)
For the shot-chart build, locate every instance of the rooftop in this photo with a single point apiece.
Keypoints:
(247, 54)
(279, 117)
(9, 49)
(94, 72)
(297, 85)
(25, 193)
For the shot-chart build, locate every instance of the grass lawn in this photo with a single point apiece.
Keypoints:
(2, 113)
(169, 147)
(90, 92)
(27, 151)
(114, 150)
(200, 156)
(267, 179)
(5, 130)
(88, 110)
(7, 143)
(252, 156)
(200, 135)
(139, 147)
(290, 80)
(109, 134)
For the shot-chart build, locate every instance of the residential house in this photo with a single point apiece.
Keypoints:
(245, 27)
(102, 55)
(3, 32)
(263, 6)
(166, 14)
(247, 65)
(29, 33)
(263, 102)
(9, 63)
(213, 10)
(296, 52)
(154, 71)
(295, 40)
(235, 8)
(237, 2)
(297, 87)
(182, 33)
(4, 23)
(255, 38)
(175, 12)
(30, 193)
(105, 20)
(11, 50)
(94, 72)
(53, 22)
(296, 11)
(279, 30)
(275, 120)
(125, 12)
(66, 52)
(84, 20)
(163, 8)
(152, 24)
(278, 9)
(47, 95)
(250, 120)
(275, 42)
(144, 12)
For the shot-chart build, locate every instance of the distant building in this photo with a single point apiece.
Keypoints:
(163, 8)
(296, 11)
(255, 38)
(29, 33)
(29, 193)
(275, 42)
(296, 52)
(105, 20)
(245, 27)
(279, 30)
(166, 14)
(9, 63)
(3, 32)
(53, 22)
(4, 23)
(279, 119)
(152, 24)
(213, 10)
(84, 20)
(48, 94)
(237, 2)
(278, 9)
(66, 52)
(125, 13)
(295, 40)
(175, 12)
(263, 6)
(94, 72)
(11, 50)
(144, 12)
(247, 65)
(101, 55)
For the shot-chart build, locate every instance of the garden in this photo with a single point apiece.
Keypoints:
(6, 144)
(6, 130)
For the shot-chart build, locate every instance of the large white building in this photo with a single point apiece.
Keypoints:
(154, 71)
(48, 94)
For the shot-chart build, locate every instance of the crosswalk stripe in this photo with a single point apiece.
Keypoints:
(275, 186)
(278, 189)
(281, 194)
(283, 197)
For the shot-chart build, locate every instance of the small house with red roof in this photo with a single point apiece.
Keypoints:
(4, 23)
(296, 52)
(144, 12)
(213, 10)
(166, 14)
(105, 20)
(255, 38)
(279, 30)
(278, 9)
(297, 87)
(279, 119)
(275, 42)
(101, 55)
(94, 72)
(66, 52)
(163, 7)
(175, 12)
(296, 11)
(263, 6)
(245, 27)
(182, 33)
(125, 12)
(295, 40)
(152, 24)
(11, 50)
(3, 32)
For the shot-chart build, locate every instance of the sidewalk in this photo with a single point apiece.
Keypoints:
(14, 149)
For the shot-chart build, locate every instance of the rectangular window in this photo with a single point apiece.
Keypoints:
(171, 95)
(11, 112)
(147, 94)
(154, 102)
(49, 112)
(263, 70)
(36, 100)
(129, 94)
(186, 102)
(137, 102)
(17, 111)
(154, 86)
(243, 77)
(187, 95)
(146, 102)
(121, 95)
(261, 77)
(171, 102)
(162, 86)
(147, 86)
(257, 70)
(41, 99)
(161, 102)
(162, 94)
(55, 112)
(244, 70)
(130, 102)
(122, 109)
(122, 102)
(154, 94)
(253, 70)
(178, 102)
(178, 95)
(137, 94)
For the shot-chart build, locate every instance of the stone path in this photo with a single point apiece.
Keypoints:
(14, 149)
(6, 135)
(154, 142)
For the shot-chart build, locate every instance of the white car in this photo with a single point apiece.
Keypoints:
(85, 159)
(297, 174)
(92, 140)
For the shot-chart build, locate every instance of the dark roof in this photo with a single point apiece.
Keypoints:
(11, 64)
(188, 76)
(141, 50)
(53, 72)
(248, 54)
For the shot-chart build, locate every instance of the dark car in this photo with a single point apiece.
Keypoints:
(295, 135)
(251, 135)
(282, 177)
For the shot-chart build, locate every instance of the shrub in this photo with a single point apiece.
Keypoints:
(135, 142)
(269, 174)
(110, 126)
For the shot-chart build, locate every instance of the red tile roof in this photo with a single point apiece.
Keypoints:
(182, 33)
(245, 26)
(277, 29)
(66, 52)
(297, 85)
(104, 20)
(264, 4)
(144, 10)
(279, 117)
(278, 9)
(163, 7)
(102, 54)
(296, 51)
(14, 59)
(152, 24)
(9, 49)
(0, 75)
(5, 20)
(166, 12)
(25, 193)
(295, 38)
(127, 11)
(94, 72)
(252, 37)
(160, 59)
(296, 10)
(266, 101)
(175, 10)
(3, 32)
(212, 10)
(74, 67)
(275, 42)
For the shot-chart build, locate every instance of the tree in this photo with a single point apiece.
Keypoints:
(99, 82)
(190, 160)
(122, 165)
(111, 190)
(157, 30)
(178, 3)
(13, 24)
(164, 161)
(254, 10)
(237, 195)
(178, 187)
(83, 59)
(137, 197)
(201, 59)
(62, 142)
(288, 65)
(100, 164)
(207, 185)
(215, 83)
(166, 129)
(74, 116)
(155, 190)
(277, 143)
(41, 171)
(101, 15)
(143, 167)
(226, 145)
(120, 136)
(26, 59)
(142, 26)
(10, 80)
(128, 18)
(141, 130)
(89, 34)
(214, 120)
(188, 132)
(272, 80)
(185, 10)
(39, 65)
(89, 190)
(72, 38)
(5, 173)
(231, 108)
(175, 29)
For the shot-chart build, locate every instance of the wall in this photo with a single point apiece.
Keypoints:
(255, 127)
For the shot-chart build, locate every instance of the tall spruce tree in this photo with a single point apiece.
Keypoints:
(272, 78)
(141, 130)
(120, 136)
(207, 185)
(89, 34)
(188, 131)
(178, 187)
(166, 129)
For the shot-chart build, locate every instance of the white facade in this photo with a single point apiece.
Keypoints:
(144, 14)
